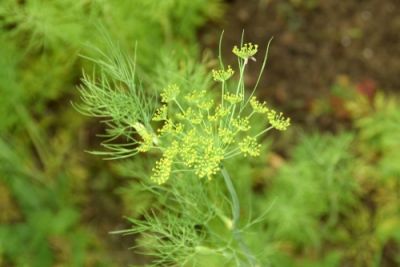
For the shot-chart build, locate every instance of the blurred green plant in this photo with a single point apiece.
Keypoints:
(46, 188)
(335, 201)
(41, 225)
(316, 184)
(379, 146)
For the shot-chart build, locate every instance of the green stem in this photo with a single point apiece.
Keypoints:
(263, 132)
(179, 106)
(236, 217)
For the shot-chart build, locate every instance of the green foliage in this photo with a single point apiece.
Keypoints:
(45, 179)
(116, 98)
(315, 185)
(189, 221)
(379, 130)
(52, 34)
(45, 230)
(379, 146)
(177, 227)
(335, 201)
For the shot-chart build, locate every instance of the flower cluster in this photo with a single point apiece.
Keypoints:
(246, 51)
(277, 120)
(162, 170)
(161, 113)
(147, 137)
(169, 93)
(249, 146)
(233, 98)
(257, 106)
(222, 75)
(198, 133)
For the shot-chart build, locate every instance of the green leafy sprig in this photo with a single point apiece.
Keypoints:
(195, 132)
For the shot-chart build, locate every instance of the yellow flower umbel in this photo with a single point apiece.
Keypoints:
(170, 93)
(257, 106)
(161, 113)
(249, 146)
(277, 120)
(222, 75)
(233, 98)
(246, 51)
(162, 170)
(199, 133)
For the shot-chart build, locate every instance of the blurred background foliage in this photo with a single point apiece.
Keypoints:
(329, 189)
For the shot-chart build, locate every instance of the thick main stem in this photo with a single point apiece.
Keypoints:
(236, 217)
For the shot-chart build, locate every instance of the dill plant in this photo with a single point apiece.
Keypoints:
(193, 132)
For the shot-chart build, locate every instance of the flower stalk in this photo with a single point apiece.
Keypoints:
(235, 206)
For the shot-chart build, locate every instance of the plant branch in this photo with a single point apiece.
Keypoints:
(236, 217)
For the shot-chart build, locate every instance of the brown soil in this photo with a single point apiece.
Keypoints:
(314, 42)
